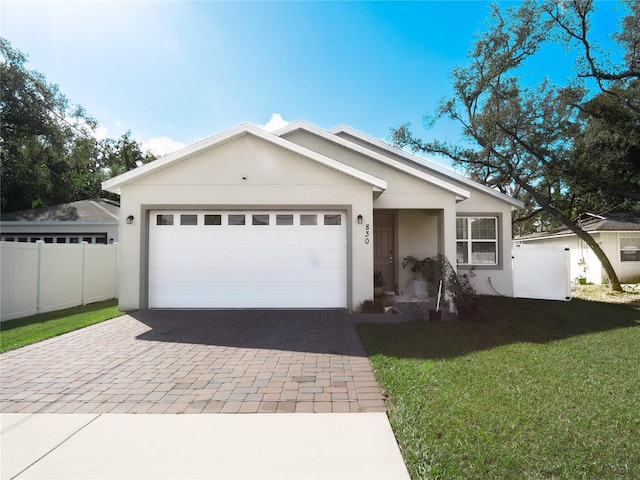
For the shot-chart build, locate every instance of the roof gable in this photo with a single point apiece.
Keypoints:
(461, 193)
(115, 184)
(422, 164)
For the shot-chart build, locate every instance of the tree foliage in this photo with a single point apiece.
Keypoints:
(48, 150)
(561, 149)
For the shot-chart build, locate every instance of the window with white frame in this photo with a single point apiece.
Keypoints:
(477, 240)
(630, 249)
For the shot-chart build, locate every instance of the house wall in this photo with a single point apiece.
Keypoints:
(629, 271)
(407, 192)
(490, 279)
(425, 212)
(275, 178)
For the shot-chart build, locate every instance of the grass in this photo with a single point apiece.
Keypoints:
(537, 390)
(25, 331)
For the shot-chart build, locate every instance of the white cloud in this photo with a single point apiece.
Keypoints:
(100, 132)
(275, 123)
(162, 146)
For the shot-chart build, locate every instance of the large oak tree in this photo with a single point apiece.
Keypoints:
(562, 149)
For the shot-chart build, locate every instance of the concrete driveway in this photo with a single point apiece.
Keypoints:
(196, 362)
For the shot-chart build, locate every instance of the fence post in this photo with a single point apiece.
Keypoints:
(84, 273)
(40, 244)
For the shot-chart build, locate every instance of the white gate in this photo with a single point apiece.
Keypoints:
(541, 272)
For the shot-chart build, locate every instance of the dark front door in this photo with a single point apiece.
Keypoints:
(384, 248)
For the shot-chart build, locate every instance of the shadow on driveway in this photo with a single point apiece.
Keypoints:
(311, 331)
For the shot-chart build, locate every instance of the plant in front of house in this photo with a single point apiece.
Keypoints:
(419, 269)
(467, 302)
(457, 286)
(381, 303)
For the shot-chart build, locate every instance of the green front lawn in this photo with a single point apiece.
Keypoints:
(25, 331)
(538, 390)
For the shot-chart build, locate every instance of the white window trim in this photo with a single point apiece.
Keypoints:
(620, 248)
(471, 241)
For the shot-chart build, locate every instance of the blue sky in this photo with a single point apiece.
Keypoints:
(186, 70)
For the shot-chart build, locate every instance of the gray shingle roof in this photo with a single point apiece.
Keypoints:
(99, 210)
(610, 221)
(596, 221)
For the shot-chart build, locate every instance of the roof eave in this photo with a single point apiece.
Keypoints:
(515, 203)
(115, 184)
(460, 193)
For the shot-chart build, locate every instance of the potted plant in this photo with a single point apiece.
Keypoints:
(386, 300)
(419, 269)
(440, 274)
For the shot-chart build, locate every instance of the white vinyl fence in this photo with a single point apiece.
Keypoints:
(541, 272)
(42, 277)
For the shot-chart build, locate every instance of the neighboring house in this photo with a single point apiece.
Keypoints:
(91, 221)
(617, 233)
(298, 218)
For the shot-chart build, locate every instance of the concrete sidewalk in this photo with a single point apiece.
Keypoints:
(214, 446)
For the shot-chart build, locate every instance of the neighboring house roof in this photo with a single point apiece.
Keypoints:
(609, 221)
(85, 211)
(424, 164)
(115, 184)
(594, 222)
(460, 193)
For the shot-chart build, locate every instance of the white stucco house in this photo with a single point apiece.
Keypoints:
(298, 218)
(618, 234)
(91, 221)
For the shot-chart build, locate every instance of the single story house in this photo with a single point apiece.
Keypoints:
(298, 218)
(91, 221)
(617, 233)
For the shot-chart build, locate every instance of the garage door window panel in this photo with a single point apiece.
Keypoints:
(236, 220)
(284, 219)
(213, 219)
(164, 219)
(333, 219)
(306, 219)
(260, 220)
(188, 219)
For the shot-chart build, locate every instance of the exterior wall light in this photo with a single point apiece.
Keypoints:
(129, 219)
(359, 219)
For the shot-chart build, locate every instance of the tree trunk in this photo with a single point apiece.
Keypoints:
(606, 264)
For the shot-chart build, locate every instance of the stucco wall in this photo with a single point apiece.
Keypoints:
(406, 192)
(274, 178)
(489, 279)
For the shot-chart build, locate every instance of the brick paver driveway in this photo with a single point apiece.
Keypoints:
(196, 362)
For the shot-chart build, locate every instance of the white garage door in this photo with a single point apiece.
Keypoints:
(247, 259)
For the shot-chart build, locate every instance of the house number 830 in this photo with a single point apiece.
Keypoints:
(367, 231)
